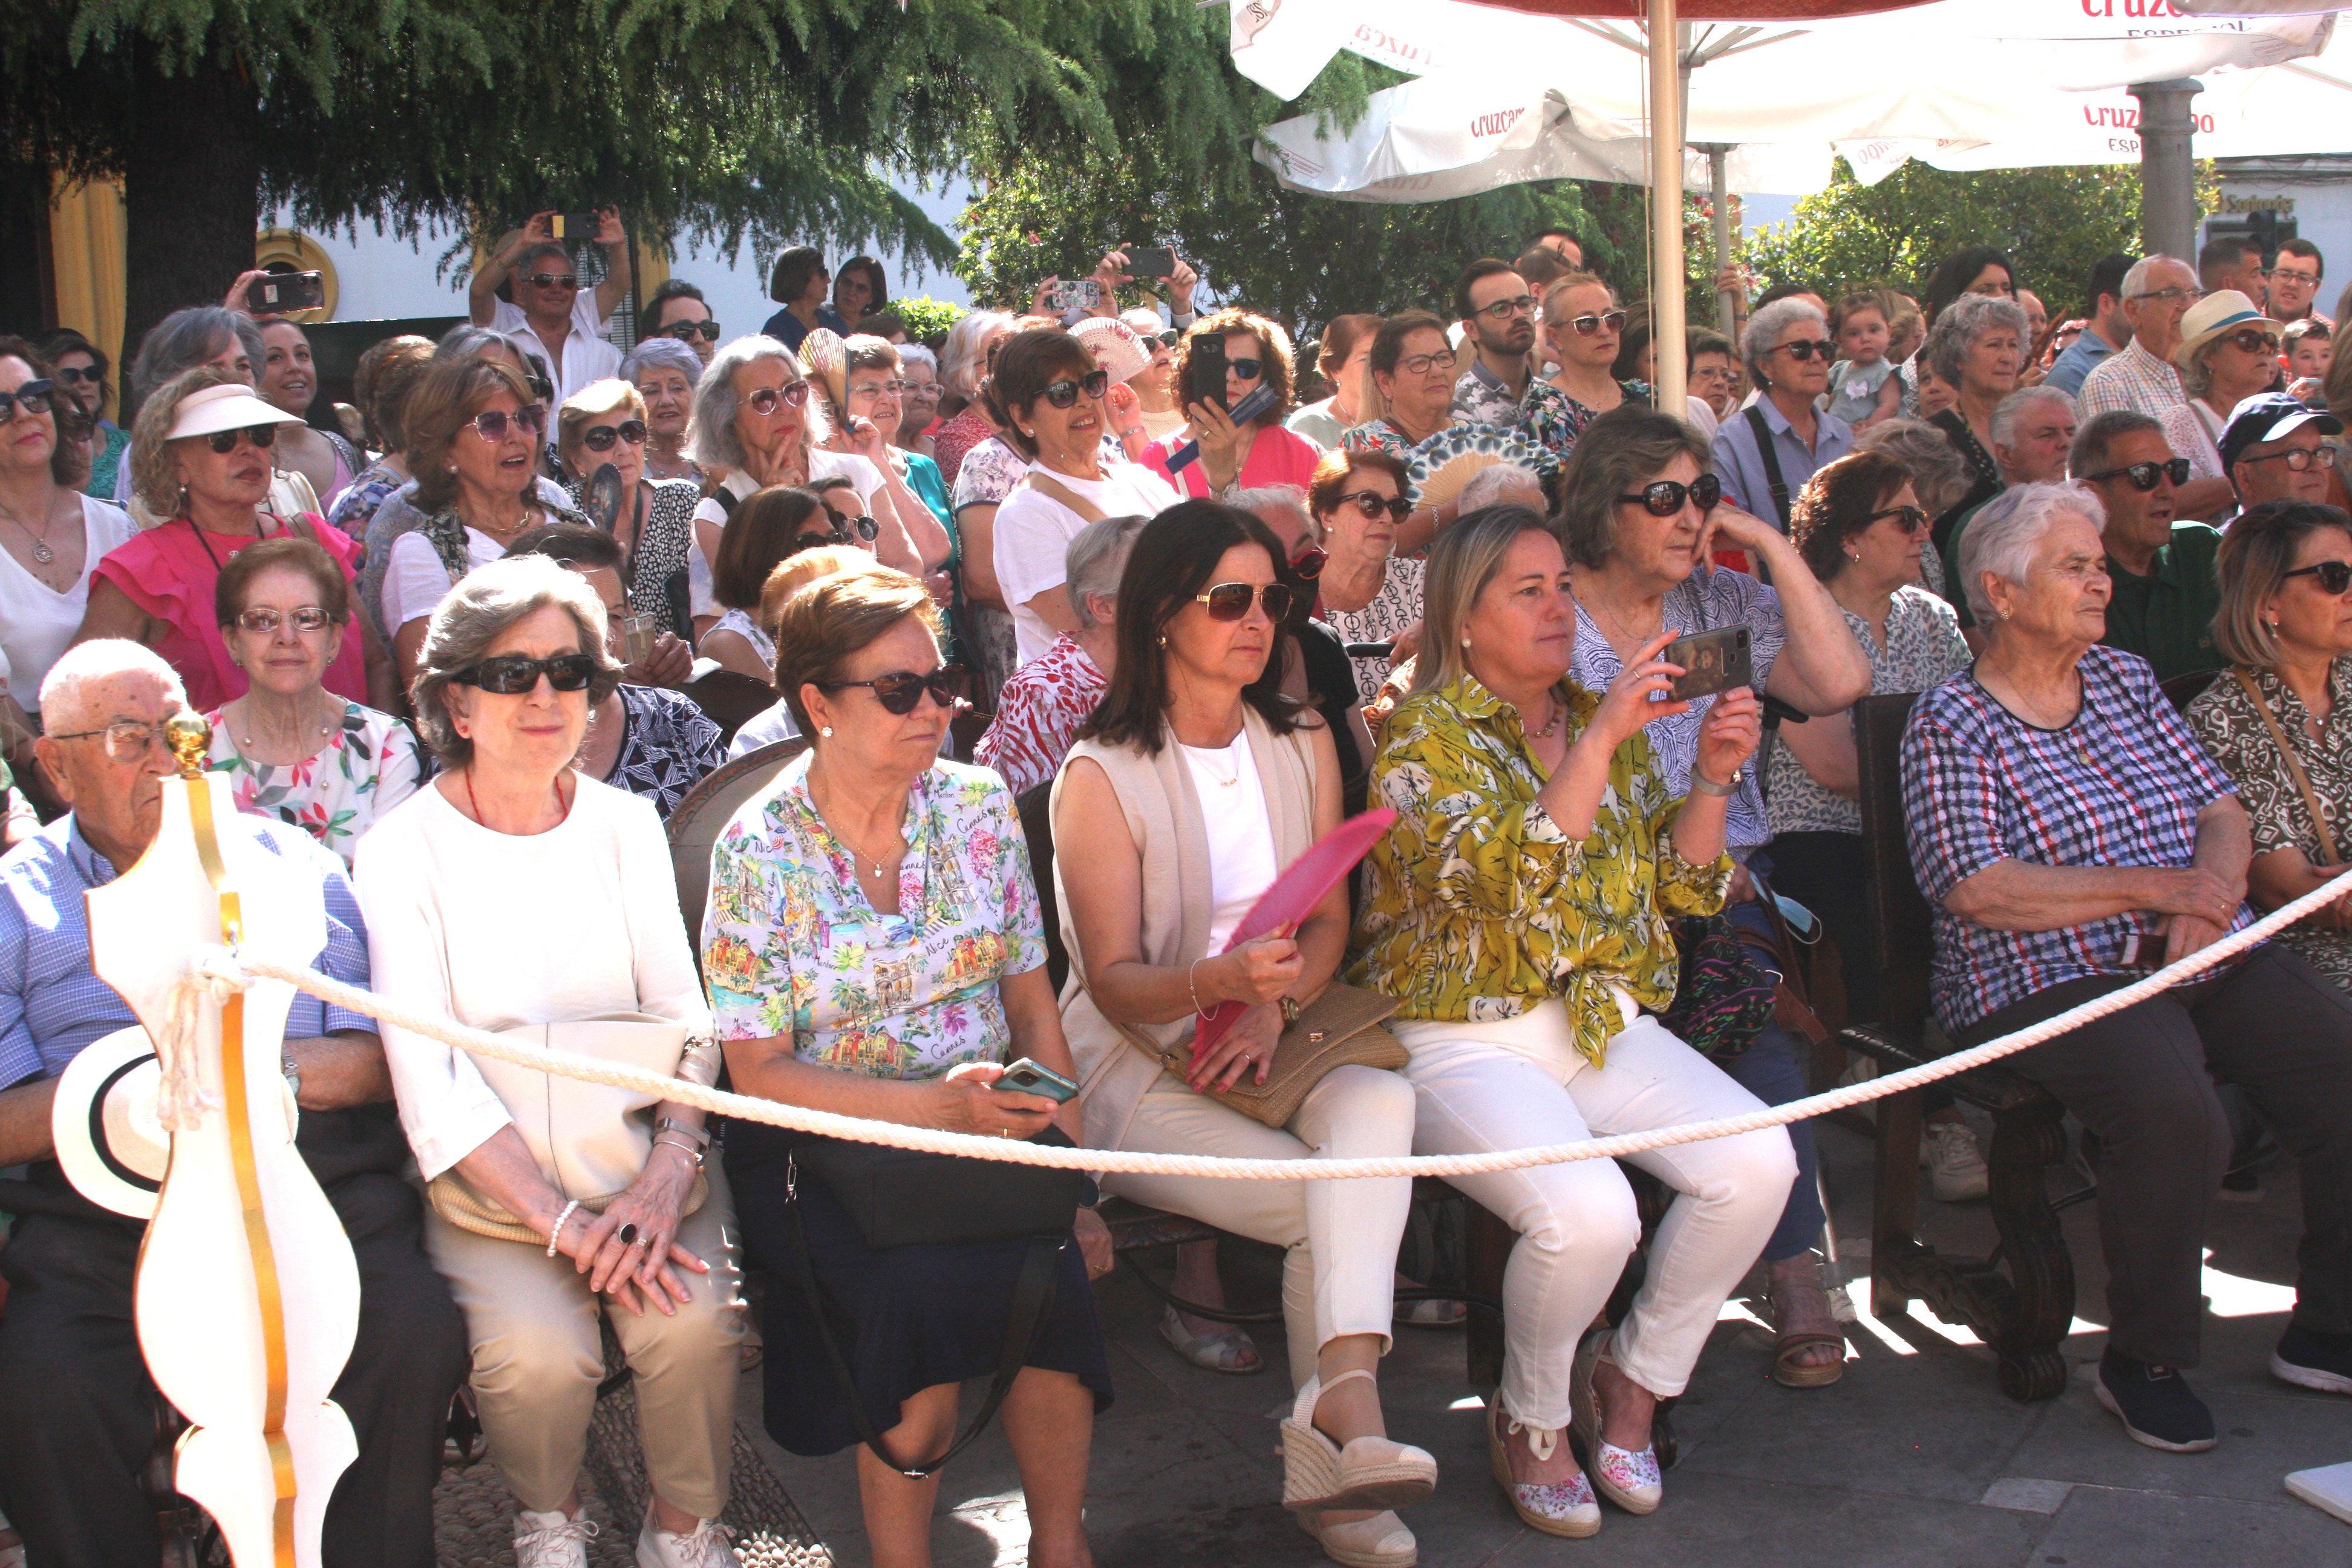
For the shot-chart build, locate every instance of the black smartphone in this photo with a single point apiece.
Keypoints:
(1150, 261)
(1712, 662)
(575, 226)
(1204, 375)
(1369, 649)
(1025, 1077)
(281, 293)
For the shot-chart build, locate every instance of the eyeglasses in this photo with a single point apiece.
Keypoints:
(881, 388)
(1913, 517)
(224, 441)
(2253, 341)
(2335, 577)
(1801, 350)
(124, 739)
(2300, 459)
(552, 281)
(601, 437)
(2176, 295)
(1609, 321)
(2143, 475)
(1246, 369)
(1308, 565)
(2292, 273)
(706, 330)
(1503, 310)
(33, 397)
(1665, 496)
(1064, 394)
(75, 376)
(307, 618)
(1231, 601)
(490, 424)
(1422, 364)
(1371, 503)
(511, 674)
(899, 692)
(764, 399)
(864, 527)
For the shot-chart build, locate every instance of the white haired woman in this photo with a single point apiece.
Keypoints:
(513, 661)
(2072, 834)
(1977, 345)
(1765, 454)
(918, 367)
(605, 422)
(665, 372)
(963, 365)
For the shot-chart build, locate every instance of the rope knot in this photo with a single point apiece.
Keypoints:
(211, 979)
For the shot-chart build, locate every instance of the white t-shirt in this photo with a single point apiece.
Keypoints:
(415, 581)
(764, 727)
(864, 479)
(596, 933)
(587, 356)
(36, 621)
(1034, 534)
(1240, 833)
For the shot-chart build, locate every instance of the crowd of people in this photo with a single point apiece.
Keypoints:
(452, 659)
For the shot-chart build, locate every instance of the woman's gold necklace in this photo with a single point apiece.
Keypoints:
(1559, 711)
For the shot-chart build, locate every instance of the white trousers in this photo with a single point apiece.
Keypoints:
(1340, 1238)
(1519, 1084)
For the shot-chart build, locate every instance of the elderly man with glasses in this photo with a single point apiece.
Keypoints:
(2278, 447)
(77, 1411)
(2159, 564)
(2158, 292)
(550, 301)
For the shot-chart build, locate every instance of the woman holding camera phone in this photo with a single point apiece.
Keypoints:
(1259, 451)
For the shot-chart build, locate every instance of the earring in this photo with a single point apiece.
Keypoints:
(1853, 555)
(1163, 639)
(1465, 644)
(826, 732)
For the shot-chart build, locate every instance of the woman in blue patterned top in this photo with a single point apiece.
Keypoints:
(873, 946)
(2072, 835)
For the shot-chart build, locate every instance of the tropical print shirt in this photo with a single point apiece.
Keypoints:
(791, 944)
(368, 766)
(1479, 905)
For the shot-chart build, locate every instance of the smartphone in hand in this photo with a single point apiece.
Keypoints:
(1712, 661)
(1073, 294)
(280, 293)
(575, 226)
(1205, 370)
(1025, 1077)
(1150, 261)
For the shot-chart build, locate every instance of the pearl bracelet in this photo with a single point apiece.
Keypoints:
(556, 1235)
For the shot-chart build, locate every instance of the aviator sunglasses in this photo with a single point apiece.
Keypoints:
(1665, 496)
(1231, 601)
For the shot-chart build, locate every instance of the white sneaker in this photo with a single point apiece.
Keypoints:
(705, 1548)
(1956, 1167)
(553, 1539)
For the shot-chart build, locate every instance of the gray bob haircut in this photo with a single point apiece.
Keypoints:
(1961, 323)
(2002, 537)
(711, 439)
(1464, 559)
(1095, 562)
(916, 353)
(1765, 329)
(2018, 404)
(485, 605)
(964, 358)
(1636, 446)
(186, 338)
(666, 353)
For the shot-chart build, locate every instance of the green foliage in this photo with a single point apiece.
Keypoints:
(2054, 224)
(927, 320)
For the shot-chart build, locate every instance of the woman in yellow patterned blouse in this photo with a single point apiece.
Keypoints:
(1520, 910)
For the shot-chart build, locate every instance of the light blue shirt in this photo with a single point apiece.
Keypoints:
(2081, 357)
(1740, 465)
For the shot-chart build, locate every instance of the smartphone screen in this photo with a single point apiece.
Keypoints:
(281, 292)
(1712, 662)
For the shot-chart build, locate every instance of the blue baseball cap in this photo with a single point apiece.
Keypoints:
(2270, 417)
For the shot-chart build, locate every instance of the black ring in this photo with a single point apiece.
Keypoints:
(629, 1234)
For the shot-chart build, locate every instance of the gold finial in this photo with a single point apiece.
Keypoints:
(191, 738)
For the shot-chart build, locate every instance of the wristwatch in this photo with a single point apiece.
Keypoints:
(1290, 1011)
(1701, 784)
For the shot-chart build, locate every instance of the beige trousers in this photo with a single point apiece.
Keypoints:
(1340, 1238)
(538, 1359)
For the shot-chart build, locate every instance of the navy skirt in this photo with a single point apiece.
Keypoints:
(906, 1318)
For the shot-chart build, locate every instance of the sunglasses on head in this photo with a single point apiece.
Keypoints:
(1801, 350)
(33, 397)
(1231, 601)
(1064, 394)
(310, 618)
(1665, 498)
(74, 375)
(2143, 475)
(1371, 503)
(2335, 577)
(1612, 321)
(765, 399)
(492, 422)
(706, 330)
(1912, 518)
(601, 437)
(900, 691)
(224, 441)
(511, 674)
(552, 281)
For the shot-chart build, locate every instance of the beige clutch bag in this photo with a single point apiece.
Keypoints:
(1340, 1029)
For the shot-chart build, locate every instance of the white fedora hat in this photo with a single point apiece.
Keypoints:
(231, 406)
(104, 1122)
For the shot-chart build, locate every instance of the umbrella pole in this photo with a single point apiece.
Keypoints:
(1667, 292)
(1718, 161)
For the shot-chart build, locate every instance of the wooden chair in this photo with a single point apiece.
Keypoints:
(1036, 806)
(731, 699)
(702, 815)
(2021, 1300)
(2183, 690)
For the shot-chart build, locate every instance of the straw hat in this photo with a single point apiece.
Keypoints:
(1117, 348)
(2221, 312)
(231, 406)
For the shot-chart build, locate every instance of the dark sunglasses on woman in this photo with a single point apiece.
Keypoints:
(33, 397)
(602, 438)
(1801, 350)
(1912, 518)
(1246, 369)
(224, 441)
(2255, 340)
(76, 375)
(1094, 383)
(862, 526)
(899, 692)
(1663, 498)
(764, 400)
(1231, 601)
(2143, 475)
(2335, 577)
(1167, 338)
(706, 330)
(491, 423)
(1371, 503)
(511, 674)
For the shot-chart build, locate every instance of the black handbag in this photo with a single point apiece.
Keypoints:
(905, 1197)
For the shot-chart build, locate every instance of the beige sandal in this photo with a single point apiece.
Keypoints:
(1319, 1477)
(1380, 1542)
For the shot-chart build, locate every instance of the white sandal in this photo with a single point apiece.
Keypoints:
(1227, 1350)
(1318, 1475)
(1380, 1542)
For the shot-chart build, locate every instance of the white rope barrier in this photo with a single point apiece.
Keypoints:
(226, 967)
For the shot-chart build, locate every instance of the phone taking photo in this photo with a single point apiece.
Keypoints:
(575, 226)
(1712, 661)
(1025, 1077)
(281, 293)
(1069, 294)
(1150, 261)
(1204, 370)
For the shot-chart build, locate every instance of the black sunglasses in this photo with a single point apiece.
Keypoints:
(601, 437)
(552, 281)
(33, 397)
(706, 330)
(2143, 475)
(865, 527)
(1231, 601)
(1094, 383)
(492, 422)
(511, 674)
(74, 375)
(1371, 503)
(541, 387)
(1247, 369)
(1912, 518)
(2335, 577)
(899, 693)
(1167, 338)
(1665, 496)
(1801, 350)
(224, 441)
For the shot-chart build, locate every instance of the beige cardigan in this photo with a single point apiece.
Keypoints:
(1163, 817)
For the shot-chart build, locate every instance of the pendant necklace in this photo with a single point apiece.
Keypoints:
(41, 550)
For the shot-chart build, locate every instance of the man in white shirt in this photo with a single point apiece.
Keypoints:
(551, 304)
